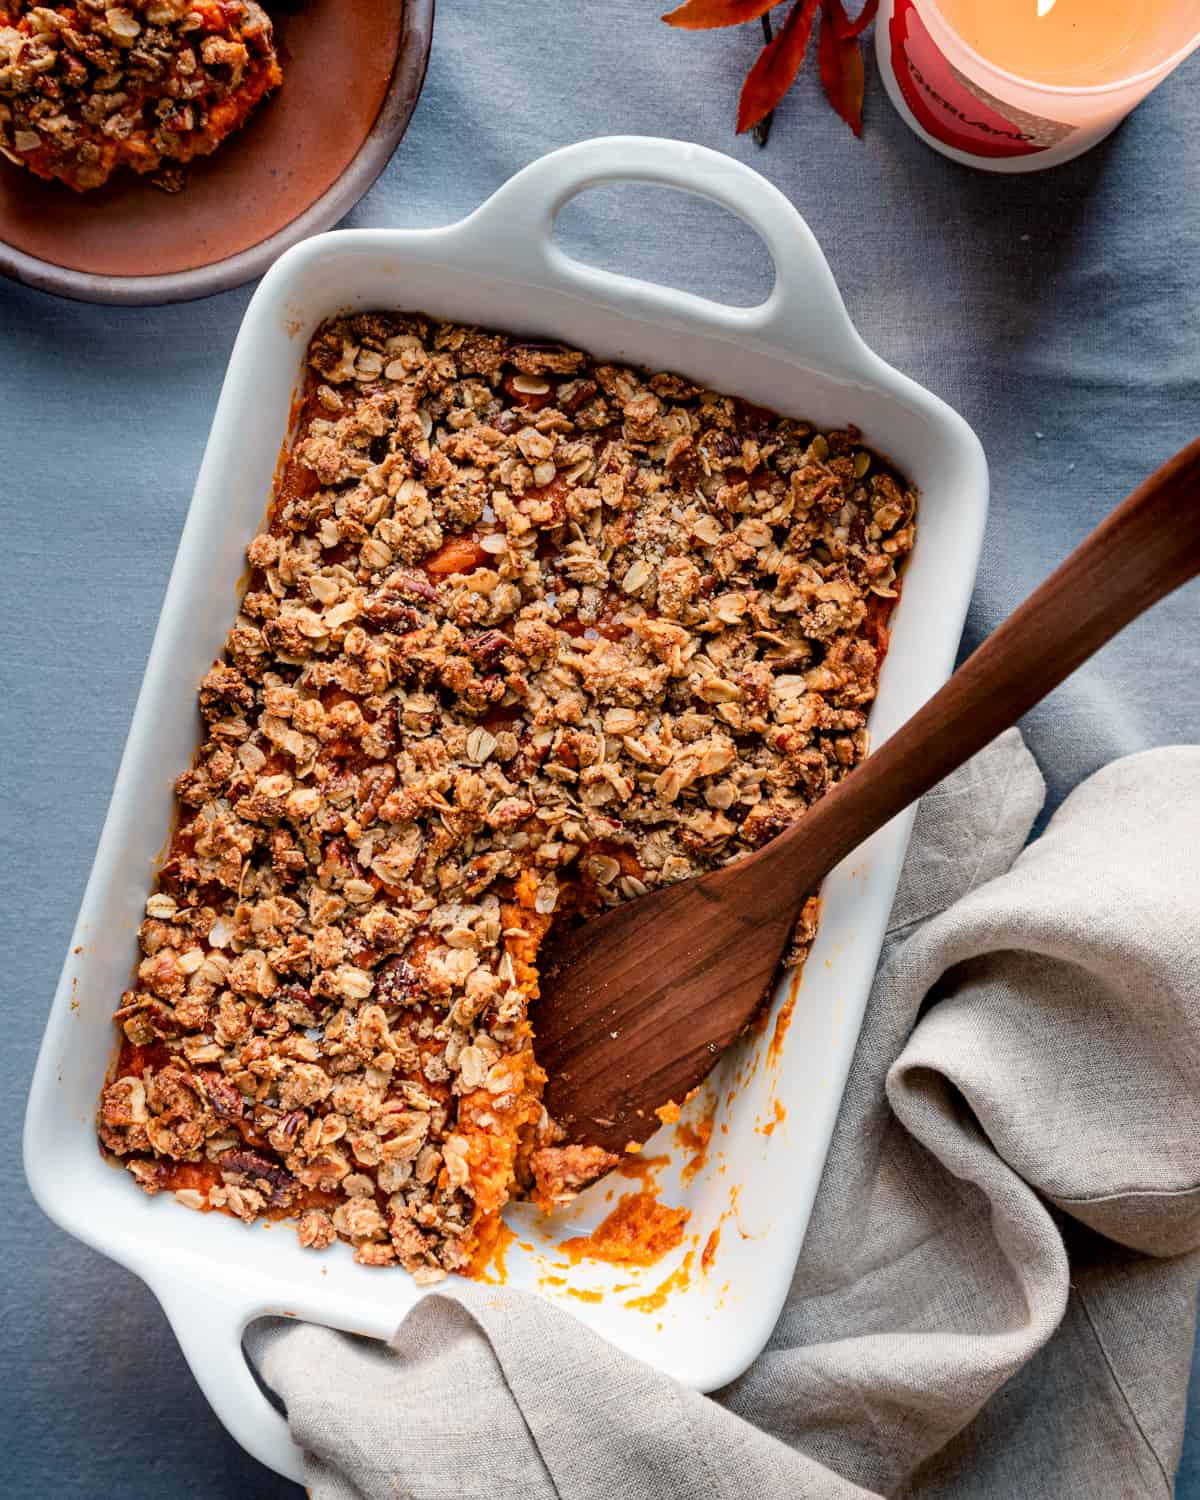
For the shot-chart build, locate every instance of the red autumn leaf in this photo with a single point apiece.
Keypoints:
(703, 15)
(841, 63)
(836, 12)
(778, 63)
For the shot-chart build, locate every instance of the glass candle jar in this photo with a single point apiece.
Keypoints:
(1014, 92)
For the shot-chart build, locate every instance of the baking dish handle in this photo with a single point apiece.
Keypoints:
(804, 312)
(209, 1329)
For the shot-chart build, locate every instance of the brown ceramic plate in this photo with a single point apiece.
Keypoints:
(352, 72)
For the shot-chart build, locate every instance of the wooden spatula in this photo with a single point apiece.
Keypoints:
(639, 1004)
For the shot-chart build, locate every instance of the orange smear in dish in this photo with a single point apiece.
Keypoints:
(709, 1253)
(638, 1232)
(678, 1281)
(643, 1169)
(695, 1138)
(777, 1118)
(784, 1019)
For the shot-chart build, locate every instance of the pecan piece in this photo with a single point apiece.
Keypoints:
(389, 606)
(413, 583)
(397, 982)
(388, 610)
(488, 646)
(261, 1172)
(374, 785)
(584, 392)
(225, 1098)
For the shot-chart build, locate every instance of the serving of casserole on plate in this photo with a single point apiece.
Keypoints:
(525, 631)
(89, 89)
(164, 149)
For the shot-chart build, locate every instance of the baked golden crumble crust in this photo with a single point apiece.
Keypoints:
(88, 87)
(527, 634)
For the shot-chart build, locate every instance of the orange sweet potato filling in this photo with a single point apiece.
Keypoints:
(498, 1137)
(639, 1231)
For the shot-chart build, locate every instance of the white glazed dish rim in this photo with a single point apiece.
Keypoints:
(797, 352)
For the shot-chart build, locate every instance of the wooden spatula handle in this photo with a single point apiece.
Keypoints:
(1146, 548)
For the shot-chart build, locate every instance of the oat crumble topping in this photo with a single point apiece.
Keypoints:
(527, 635)
(88, 87)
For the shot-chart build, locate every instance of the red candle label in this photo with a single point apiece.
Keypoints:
(952, 107)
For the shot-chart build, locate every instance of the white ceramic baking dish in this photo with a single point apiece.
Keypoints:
(796, 352)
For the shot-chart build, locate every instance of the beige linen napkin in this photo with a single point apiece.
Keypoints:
(996, 1297)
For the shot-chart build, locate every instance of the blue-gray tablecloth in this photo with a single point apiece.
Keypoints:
(1059, 312)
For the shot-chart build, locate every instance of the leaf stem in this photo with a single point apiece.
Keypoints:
(762, 130)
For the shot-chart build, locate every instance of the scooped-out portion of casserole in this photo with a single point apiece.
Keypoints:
(526, 634)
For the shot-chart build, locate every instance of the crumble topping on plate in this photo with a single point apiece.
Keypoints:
(88, 87)
(527, 634)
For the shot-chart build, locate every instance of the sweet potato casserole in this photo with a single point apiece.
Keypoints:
(88, 87)
(526, 634)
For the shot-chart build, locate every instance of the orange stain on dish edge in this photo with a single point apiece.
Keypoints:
(734, 1194)
(779, 1116)
(709, 1253)
(784, 1018)
(678, 1281)
(583, 1295)
(638, 1232)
